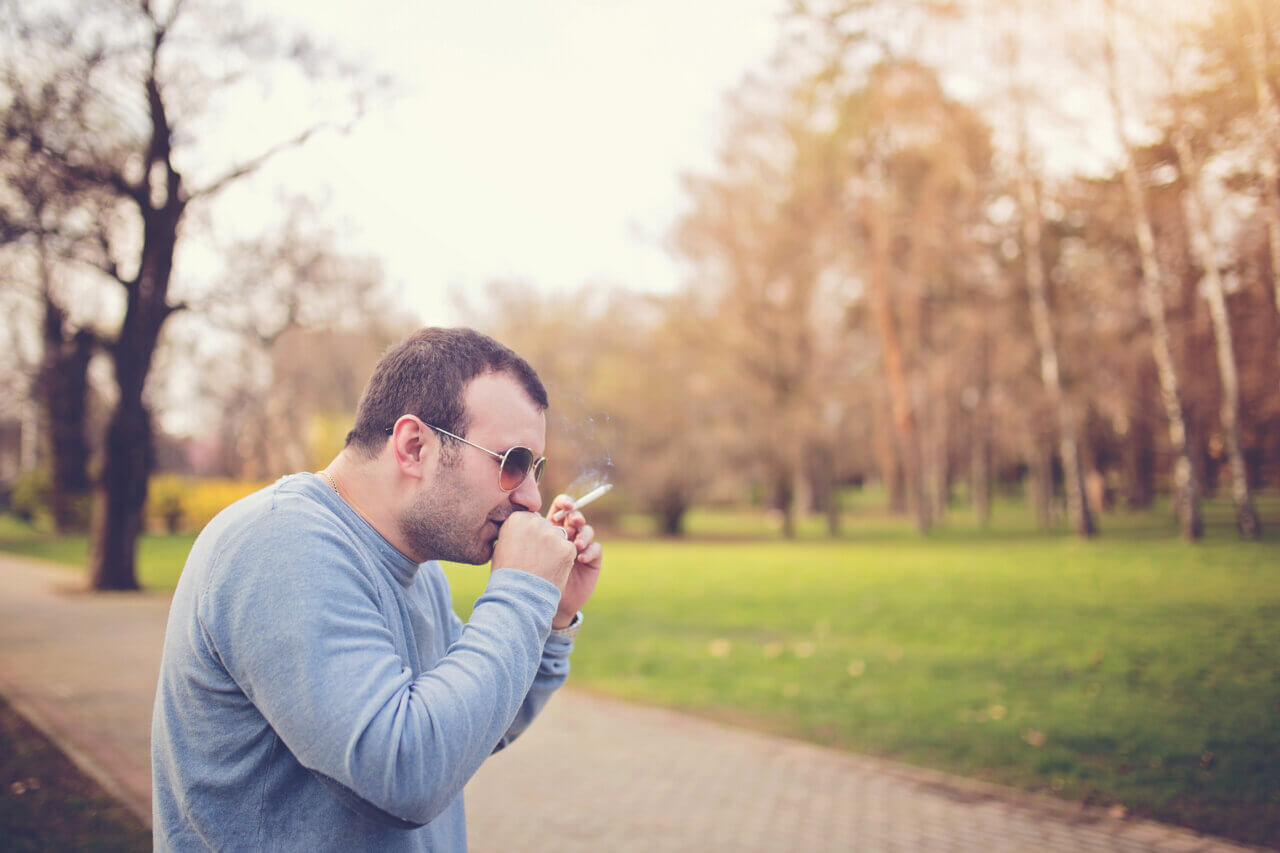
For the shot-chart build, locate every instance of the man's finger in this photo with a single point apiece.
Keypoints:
(591, 556)
(560, 507)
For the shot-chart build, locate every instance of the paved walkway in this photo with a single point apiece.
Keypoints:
(592, 774)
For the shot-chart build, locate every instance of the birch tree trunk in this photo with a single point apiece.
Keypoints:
(1202, 245)
(1186, 491)
(980, 438)
(1040, 473)
(1269, 118)
(1068, 443)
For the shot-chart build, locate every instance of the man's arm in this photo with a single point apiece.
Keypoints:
(553, 671)
(300, 628)
(554, 668)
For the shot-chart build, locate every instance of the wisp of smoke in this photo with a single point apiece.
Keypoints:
(595, 464)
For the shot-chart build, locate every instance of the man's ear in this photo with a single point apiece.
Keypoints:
(410, 446)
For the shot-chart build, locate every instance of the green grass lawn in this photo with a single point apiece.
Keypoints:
(1130, 669)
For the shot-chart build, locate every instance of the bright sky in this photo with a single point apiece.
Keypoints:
(539, 142)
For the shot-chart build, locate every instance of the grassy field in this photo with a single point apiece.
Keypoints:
(1131, 669)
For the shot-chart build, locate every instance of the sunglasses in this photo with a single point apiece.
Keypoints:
(513, 466)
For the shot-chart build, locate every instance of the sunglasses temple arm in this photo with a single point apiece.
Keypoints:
(501, 457)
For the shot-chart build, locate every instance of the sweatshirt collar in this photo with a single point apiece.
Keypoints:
(401, 567)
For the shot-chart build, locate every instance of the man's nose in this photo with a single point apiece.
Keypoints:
(526, 495)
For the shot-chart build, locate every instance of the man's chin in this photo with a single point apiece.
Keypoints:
(482, 555)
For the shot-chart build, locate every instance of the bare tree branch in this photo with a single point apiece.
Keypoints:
(256, 163)
(97, 174)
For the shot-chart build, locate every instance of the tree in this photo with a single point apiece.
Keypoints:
(1190, 140)
(101, 102)
(1197, 214)
(751, 234)
(62, 389)
(1032, 218)
(306, 325)
(1268, 114)
(32, 233)
(1186, 489)
(662, 382)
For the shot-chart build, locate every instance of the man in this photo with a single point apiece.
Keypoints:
(317, 690)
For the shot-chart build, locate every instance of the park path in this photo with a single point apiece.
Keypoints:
(591, 774)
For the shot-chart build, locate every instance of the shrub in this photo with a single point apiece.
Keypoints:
(186, 504)
(29, 500)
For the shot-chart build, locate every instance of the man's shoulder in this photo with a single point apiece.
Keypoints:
(269, 529)
(286, 500)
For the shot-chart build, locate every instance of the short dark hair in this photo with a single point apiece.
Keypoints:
(425, 375)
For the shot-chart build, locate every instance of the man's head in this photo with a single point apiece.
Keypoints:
(426, 375)
(467, 384)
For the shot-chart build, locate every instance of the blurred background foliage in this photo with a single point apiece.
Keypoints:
(891, 278)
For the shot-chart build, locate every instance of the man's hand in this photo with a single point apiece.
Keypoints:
(529, 542)
(586, 568)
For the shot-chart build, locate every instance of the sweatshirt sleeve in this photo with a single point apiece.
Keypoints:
(298, 626)
(553, 670)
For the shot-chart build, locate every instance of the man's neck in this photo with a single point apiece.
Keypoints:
(372, 492)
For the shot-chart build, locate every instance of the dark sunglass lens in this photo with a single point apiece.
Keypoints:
(537, 469)
(515, 466)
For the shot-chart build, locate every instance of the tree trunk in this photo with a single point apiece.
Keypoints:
(1068, 443)
(1040, 469)
(980, 433)
(129, 454)
(937, 482)
(1139, 450)
(887, 459)
(821, 475)
(1202, 244)
(62, 388)
(670, 512)
(980, 470)
(904, 420)
(1269, 117)
(1186, 494)
(117, 519)
(781, 498)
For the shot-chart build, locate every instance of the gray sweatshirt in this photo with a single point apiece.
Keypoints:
(318, 692)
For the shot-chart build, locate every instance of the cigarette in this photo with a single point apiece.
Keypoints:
(590, 496)
(597, 492)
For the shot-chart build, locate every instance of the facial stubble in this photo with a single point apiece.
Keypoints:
(437, 525)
